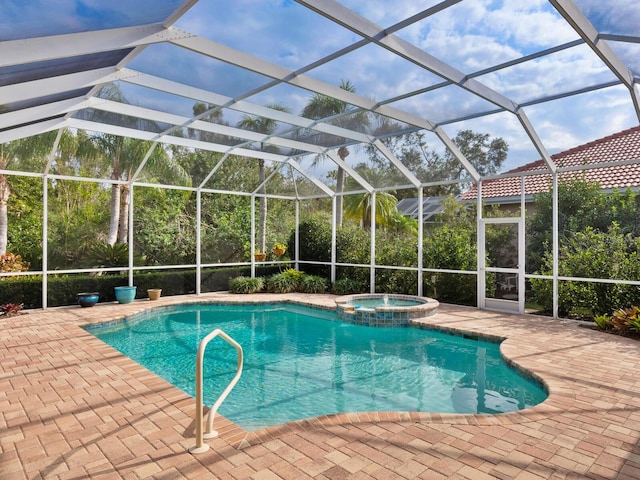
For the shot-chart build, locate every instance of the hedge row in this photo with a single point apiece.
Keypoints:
(62, 289)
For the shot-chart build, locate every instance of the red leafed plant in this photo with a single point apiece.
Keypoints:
(9, 309)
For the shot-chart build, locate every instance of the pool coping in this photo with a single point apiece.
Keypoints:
(389, 316)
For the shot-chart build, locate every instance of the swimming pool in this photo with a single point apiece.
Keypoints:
(302, 362)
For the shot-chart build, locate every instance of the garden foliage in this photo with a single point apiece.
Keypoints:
(288, 281)
(449, 245)
(593, 254)
(243, 284)
(599, 237)
(624, 321)
(598, 232)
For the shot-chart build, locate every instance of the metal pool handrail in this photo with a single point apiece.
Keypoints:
(200, 446)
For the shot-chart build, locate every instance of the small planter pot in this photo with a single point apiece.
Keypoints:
(259, 257)
(154, 293)
(88, 299)
(278, 252)
(125, 294)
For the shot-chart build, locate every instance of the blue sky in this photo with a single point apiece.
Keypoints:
(470, 36)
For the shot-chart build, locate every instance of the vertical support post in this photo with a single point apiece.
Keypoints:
(296, 252)
(372, 253)
(45, 219)
(45, 239)
(130, 239)
(253, 236)
(198, 241)
(481, 280)
(334, 229)
(555, 243)
(420, 241)
(522, 246)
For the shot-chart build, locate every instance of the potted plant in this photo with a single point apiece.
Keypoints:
(259, 256)
(279, 249)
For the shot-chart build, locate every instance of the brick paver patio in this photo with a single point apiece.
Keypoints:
(73, 408)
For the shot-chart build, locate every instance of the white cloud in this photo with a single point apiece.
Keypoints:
(280, 32)
(613, 16)
(380, 13)
(470, 36)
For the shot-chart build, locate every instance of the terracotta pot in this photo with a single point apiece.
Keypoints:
(278, 252)
(260, 257)
(154, 293)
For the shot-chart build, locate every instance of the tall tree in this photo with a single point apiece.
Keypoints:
(27, 154)
(124, 155)
(486, 154)
(208, 113)
(322, 106)
(121, 156)
(266, 126)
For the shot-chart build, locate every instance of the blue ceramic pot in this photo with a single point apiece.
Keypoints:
(88, 299)
(125, 294)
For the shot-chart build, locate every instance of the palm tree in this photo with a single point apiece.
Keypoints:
(322, 106)
(358, 208)
(123, 155)
(266, 126)
(213, 115)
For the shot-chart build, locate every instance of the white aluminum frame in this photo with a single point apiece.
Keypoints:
(58, 115)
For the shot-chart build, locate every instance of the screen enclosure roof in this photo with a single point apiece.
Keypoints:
(544, 76)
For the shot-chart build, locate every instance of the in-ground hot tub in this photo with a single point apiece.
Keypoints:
(384, 310)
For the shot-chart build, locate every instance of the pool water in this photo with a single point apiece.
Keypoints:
(379, 302)
(302, 362)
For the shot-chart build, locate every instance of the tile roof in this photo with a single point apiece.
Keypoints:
(618, 147)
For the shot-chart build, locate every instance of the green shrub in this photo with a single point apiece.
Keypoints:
(246, 284)
(25, 290)
(603, 322)
(581, 203)
(348, 286)
(353, 245)
(592, 254)
(293, 274)
(451, 247)
(282, 283)
(396, 281)
(395, 249)
(313, 284)
(102, 254)
(62, 289)
(315, 244)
